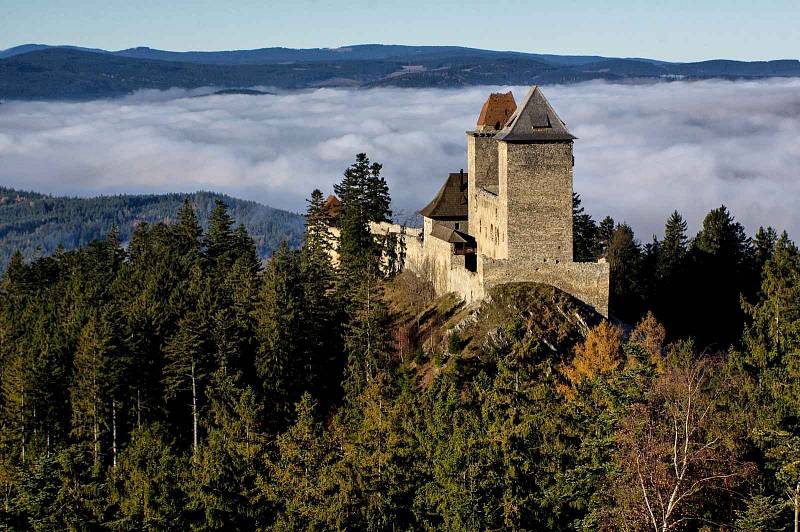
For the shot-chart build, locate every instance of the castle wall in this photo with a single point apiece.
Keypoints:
(586, 281)
(433, 259)
(490, 224)
(536, 181)
(520, 214)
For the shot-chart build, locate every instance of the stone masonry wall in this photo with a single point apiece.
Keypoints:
(490, 225)
(586, 281)
(536, 179)
(433, 259)
(481, 161)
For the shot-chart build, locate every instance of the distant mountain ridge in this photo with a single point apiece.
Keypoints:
(358, 52)
(64, 72)
(38, 224)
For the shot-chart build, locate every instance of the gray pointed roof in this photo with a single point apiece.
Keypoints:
(534, 120)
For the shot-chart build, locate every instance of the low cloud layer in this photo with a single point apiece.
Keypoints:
(643, 150)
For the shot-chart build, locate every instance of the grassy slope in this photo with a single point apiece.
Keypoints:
(425, 324)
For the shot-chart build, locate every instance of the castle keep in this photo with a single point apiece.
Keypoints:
(509, 217)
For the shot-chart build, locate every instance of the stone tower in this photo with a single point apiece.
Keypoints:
(520, 181)
(509, 218)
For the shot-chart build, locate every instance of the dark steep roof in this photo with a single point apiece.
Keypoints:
(453, 236)
(534, 120)
(451, 200)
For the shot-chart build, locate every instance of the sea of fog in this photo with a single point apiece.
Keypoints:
(643, 150)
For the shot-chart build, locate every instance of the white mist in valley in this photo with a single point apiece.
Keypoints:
(643, 150)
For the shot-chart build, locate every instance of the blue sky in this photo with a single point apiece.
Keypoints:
(668, 29)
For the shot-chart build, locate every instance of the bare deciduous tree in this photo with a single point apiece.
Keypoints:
(674, 449)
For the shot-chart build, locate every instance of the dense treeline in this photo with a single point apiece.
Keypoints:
(177, 384)
(693, 285)
(38, 225)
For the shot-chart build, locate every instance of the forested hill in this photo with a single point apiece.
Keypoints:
(37, 224)
(177, 383)
(69, 73)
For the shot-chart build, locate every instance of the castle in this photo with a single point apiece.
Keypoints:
(509, 217)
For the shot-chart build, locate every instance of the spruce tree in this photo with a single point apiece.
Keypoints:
(219, 242)
(281, 362)
(146, 487)
(321, 316)
(624, 259)
(365, 199)
(584, 233)
(300, 476)
(367, 338)
(188, 228)
(223, 488)
(90, 393)
(605, 231)
(673, 247)
(721, 274)
(187, 367)
(763, 247)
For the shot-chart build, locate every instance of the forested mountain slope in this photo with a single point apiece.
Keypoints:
(71, 73)
(37, 224)
(179, 383)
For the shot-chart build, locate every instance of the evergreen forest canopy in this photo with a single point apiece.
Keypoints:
(177, 383)
(37, 224)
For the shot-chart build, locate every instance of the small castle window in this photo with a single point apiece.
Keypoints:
(458, 226)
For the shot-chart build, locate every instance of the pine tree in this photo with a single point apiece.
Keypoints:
(605, 231)
(624, 259)
(146, 486)
(219, 241)
(321, 315)
(673, 247)
(279, 314)
(187, 369)
(721, 274)
(223, 488)
(584, 233)
(300, 474)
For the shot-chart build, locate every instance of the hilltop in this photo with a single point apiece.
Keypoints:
(438, 334)
(38, 224)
